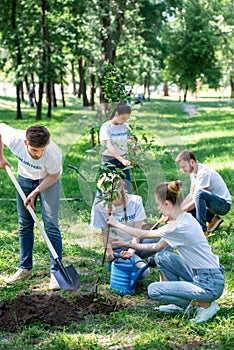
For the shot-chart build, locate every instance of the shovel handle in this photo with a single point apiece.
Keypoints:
(32, 212)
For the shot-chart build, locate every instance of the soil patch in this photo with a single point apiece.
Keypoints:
(53, 309)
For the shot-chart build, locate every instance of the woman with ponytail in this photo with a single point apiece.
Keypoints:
(114, 135)
(193, 278)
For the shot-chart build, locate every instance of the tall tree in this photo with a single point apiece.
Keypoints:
(192, 44)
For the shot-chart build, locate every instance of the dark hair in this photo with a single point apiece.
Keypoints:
(37, 136)
(186, 156)
(170, 191)
(121, 108)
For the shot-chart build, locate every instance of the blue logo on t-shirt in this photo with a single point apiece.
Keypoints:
(27, 163)
(129, 218)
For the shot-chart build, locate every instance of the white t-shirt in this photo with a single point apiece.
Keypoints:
(211, 180)
(134, 209)
(34, 169)
(118, 134)
(186, 236)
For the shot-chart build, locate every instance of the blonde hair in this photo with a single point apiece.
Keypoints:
(170, 191)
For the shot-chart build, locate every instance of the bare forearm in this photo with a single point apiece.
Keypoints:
(150, 247)
(48, 181)
(137, 232)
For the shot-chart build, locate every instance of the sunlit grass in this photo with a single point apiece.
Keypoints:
(210, 134)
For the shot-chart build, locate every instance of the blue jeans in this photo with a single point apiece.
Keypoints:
(117, 164)
(185, 284)
(216, 205)
(49, 200)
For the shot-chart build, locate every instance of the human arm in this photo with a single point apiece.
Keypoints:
(48, 181)
(3, 161)
(107, 244)
(113, 150)
(136, 232)
(150, 247)
(188, 203)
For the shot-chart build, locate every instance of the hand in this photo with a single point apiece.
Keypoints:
(3, 163)
(125, 254)
(110, 257)
(112, 221)
(126, 162)
(118, 242)
(30, 200)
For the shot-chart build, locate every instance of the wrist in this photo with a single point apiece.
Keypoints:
(37, 190)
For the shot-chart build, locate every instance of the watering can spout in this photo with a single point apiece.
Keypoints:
(136, 275)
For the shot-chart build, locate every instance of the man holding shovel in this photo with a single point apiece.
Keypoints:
(39, 168)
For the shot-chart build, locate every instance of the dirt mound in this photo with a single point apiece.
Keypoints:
(52, 309)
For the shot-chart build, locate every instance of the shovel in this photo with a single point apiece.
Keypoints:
(67, 277)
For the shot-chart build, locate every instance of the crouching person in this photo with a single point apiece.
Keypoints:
(193, 278)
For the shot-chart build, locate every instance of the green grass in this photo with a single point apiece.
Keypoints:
(210, 134)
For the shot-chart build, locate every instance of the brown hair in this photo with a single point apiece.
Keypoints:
(185, 155)
(170, 191)
(121, 108)
(37, 136)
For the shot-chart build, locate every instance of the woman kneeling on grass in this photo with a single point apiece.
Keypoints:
(194, 277)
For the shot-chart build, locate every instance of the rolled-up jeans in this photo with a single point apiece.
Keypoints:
(206, 200)
(185, 284)
(49, 200)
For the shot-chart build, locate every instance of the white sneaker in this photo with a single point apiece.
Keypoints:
(53, 283)
(21, 274)
(170, 308)
(205, 314)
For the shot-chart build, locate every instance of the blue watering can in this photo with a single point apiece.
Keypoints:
(124, 275)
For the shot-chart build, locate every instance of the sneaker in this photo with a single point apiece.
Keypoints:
(214, 224)
(21, 274)
(53, 283)
(170, 308)
(205, 314)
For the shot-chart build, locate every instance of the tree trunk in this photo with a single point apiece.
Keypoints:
(22, 92)
(62, 93)
(19, 58)
(33, 84)
(165, 89)
(53, 95)
(232, 87)
(18, 114)
(82, 85)
(39, 104)
(185, 93)
(48, 96)
(73, 78)
(92, 87)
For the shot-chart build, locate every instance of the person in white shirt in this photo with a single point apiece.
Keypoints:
(127, 208)
(209, 196)
(39, 169)
(193, 277)
(114, 135)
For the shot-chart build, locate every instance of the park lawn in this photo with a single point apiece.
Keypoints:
(209, 133)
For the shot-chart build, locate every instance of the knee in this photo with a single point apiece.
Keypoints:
(199, 194)
(161, 256)
(152, 290)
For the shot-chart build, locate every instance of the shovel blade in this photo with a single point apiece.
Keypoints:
(73, 283)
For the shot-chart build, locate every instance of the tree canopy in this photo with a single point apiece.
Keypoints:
(50, 42)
